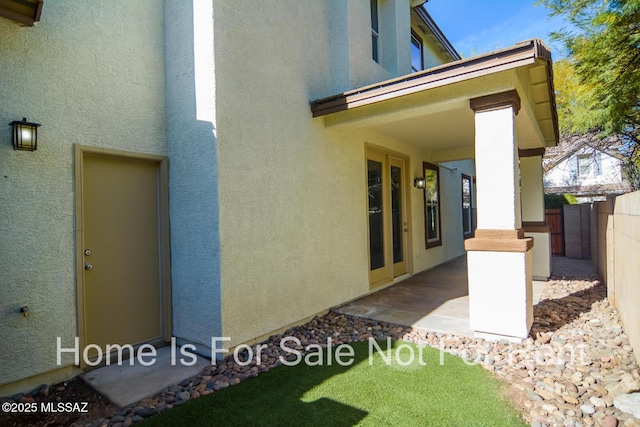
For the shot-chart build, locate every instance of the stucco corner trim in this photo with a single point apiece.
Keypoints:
(496, 101)
(499, 241)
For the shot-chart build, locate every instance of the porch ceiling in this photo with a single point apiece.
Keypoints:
(439, 131)
(430, 109)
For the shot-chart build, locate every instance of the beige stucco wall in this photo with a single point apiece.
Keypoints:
(531, 181)
(293, 216)
(347, 28)
(619, 255)
(531, 176)
(450, 212)
(541, 255)
(91, 73)
(605, 254)
(285, 186)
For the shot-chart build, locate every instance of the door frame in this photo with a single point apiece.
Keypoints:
(376, 280)
(163, 232)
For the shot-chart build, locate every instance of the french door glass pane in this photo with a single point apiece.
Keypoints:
(396, 214)
(432, 222)
(466, 205)
(376, 218)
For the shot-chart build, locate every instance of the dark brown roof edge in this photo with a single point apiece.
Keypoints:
(520, 54)
(34, 6)
(437, 32)
(38, 12)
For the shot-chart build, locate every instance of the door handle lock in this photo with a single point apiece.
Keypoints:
(88, 266)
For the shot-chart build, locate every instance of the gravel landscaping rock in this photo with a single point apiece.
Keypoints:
(629, 403)
(576, 363)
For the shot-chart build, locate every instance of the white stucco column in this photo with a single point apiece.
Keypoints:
(499, 257)
(533, 215)
(496, 164)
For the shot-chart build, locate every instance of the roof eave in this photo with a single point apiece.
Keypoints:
(512, 57)
(437, 32)
(522, 54)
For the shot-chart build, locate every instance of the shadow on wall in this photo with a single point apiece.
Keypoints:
(193, 171)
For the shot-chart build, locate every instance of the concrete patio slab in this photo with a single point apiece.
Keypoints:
(434, 300)
(125, 384)
(457, 308)
(445, 324)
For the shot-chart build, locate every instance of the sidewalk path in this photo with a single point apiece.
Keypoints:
(563, 267)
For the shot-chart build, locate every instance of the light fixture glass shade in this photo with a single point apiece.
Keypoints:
(418, 182)
(25, 135)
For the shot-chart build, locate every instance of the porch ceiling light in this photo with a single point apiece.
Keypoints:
(418, 182)
(25, 135)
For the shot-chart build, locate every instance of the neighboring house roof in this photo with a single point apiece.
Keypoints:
(571, 144)
(439, 36)
(560, 165)
(591, 190)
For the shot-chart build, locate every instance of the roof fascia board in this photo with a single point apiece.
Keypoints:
(453, 72)
(431, 24)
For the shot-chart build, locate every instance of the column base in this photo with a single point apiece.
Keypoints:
(500, 285)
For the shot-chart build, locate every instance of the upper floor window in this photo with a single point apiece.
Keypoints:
(584, 164)
(417, 55)
(374, 30)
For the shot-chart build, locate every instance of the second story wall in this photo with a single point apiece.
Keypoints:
(333, 45)
(351, 44)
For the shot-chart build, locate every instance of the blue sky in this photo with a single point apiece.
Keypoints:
(480, 26)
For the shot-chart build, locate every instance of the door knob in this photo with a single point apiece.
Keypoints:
(88, 266)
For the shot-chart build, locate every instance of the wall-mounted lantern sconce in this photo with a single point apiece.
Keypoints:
(25, 135)
(418, 183)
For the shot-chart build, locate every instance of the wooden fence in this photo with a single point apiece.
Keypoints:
(554, 219)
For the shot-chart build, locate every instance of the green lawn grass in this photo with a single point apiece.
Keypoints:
(423, 393)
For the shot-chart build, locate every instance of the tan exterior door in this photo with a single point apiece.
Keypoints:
(387, 217)
(121, 252)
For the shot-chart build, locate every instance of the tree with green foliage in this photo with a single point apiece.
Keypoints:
(599, 85)
(557, 201)
(578, 110)
(605, 53)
